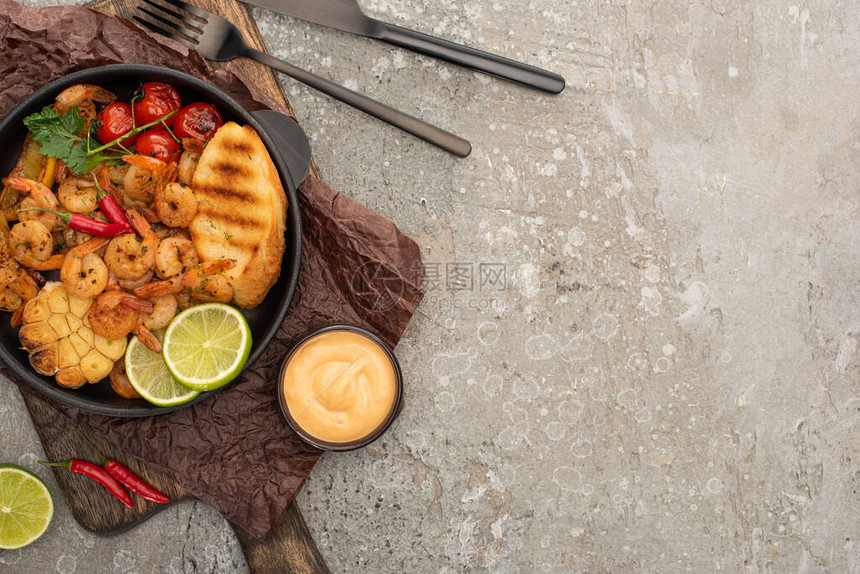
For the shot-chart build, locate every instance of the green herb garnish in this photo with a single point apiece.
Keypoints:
(57, 134)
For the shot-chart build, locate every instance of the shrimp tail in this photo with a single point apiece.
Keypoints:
(70, 259)
(156, 288)
(153, 164)
(18, 183)
(37, 277)
(90, 245)
(43, 196)
(109, 300)
(139, 222)
(17, 317)
(104, 182)
(19, 281)
(148, 214)
(107, 185)
(137, 303)
(79, 93)
(168, 175)
(218, 266)
(26, 287)
(51, 263)
(193, 145)
(112, 299)
(147, 338)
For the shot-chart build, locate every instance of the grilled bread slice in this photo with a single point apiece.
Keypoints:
(242, 211)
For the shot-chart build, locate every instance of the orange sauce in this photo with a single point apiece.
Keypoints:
(339, 386)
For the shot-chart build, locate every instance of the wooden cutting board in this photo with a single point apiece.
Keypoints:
(291, 547)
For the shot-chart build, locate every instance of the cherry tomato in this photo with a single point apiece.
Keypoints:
(115, 121)
(156, 142)
(198, 120)
(157, 101)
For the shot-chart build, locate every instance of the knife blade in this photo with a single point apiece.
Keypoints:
(346, 15)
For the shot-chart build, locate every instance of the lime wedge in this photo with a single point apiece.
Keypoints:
(206, 346)
(26, 507)
(150, 377)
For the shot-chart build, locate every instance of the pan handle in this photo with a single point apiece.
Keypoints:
(291, 142)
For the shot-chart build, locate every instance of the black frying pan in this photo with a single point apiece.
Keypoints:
(290, 152)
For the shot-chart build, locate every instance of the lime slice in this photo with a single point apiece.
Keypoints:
(150, 377)
(26, 507)
(206, 346)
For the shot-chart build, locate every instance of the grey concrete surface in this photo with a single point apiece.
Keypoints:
(668, 379)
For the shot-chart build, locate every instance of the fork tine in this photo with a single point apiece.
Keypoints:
(163, 32)
(184, 35)
(183, 27)
(199, 12)
(164, 9)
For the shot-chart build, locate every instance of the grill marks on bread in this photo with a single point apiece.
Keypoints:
(226, 193)
(242, 211)
(232, 218)
(228, 169)
(237, 146)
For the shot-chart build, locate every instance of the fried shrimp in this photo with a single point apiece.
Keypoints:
(175, 204)
(132, 284)
(16, 286)
(115, 313)
(207, 283)
(80, 94)
(193, 145)
(9, 300)
(32, 238)
(138, 183)
(187, 166)
(84, 96)
(163, 311)
(78, 195)
(204, 282)
(49, 220)
(31, 244)
(37, 190)
(40, 196)
(143, 176)
(119, 382)
(189, 159)
(130, 257)
(174, 256)
(84, 274)
(146, 336)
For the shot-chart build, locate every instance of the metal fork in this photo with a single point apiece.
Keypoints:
(217, 39)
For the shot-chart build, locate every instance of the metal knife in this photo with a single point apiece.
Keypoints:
(346, 15)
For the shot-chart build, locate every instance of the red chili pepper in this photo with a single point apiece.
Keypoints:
(127, 477)
(112, 209)
(109, 206)
(98, 474)
(86, 225)
(134, 483)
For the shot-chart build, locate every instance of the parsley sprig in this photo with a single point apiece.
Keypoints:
(58, 137)
(57, 134)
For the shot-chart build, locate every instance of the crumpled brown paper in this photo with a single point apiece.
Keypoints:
(234, 450)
